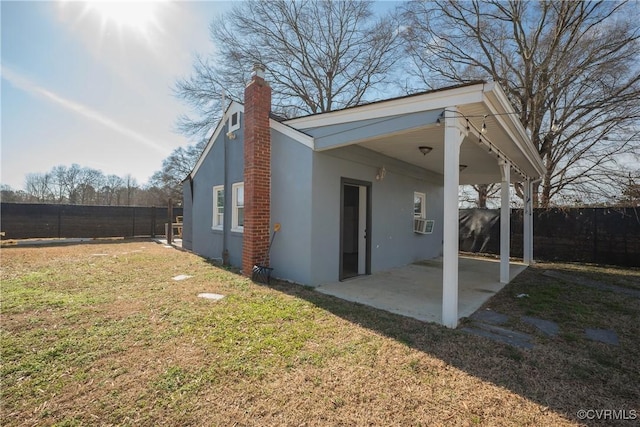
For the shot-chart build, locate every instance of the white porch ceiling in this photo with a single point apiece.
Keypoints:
(482, 168)
(397, 128)
(482, 165)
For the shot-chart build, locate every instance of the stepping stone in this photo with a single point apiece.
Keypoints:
(181, 277)
(606, 336)
(490, 316)
(594, 284)
(516, 339)
(547, 326)
(215, 297)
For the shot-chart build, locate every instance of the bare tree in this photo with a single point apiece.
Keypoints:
(68, 180)
(110, 191)
(570, 68)
(59, 177)
(631, 191)
(89, 181)
(129, 190)
(165, 183)
(320, 55)
(485, 192)
(9, 195)
(38, 187)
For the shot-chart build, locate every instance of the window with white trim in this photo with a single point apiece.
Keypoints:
(218, 207)
(234, 121)
(419, 205)
(237, 220)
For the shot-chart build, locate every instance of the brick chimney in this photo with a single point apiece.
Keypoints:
(257, 170)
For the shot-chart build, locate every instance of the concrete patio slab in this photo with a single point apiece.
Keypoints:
(415, 290)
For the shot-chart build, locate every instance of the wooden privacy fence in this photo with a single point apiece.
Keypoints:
(28, 220)
(592, 235)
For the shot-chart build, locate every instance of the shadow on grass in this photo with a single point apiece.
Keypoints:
(566, 374)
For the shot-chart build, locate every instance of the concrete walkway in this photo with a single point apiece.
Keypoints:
(415, 290)
(176, 242)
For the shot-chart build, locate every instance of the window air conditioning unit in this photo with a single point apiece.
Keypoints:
(422, 226)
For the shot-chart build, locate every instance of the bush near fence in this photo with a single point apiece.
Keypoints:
(30, 220)
(590, 235)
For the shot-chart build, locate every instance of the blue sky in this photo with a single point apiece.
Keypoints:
(87, 84)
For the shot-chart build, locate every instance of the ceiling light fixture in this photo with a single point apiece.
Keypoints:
(425, 150)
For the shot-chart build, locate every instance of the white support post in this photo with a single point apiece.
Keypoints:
(454, 134)
(531, 223)
(526, 223)
(505, 218)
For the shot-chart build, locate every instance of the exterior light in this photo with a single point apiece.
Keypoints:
(425, 150)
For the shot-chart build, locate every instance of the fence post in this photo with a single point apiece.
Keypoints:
(133, 231)
(624, 236)
(59, 221)
(153, 222)
(170, 225)
(595, 235)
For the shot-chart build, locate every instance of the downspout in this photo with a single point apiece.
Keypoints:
(533, 184)
(225, 250)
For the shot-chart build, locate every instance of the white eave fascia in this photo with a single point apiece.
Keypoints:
(292, 133)
(410, 104)
(512, 125)
(232, 108)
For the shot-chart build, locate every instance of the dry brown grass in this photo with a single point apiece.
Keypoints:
(100, 334)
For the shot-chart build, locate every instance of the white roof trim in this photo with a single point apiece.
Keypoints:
(292, 133)
(410, 104)
(232, 108)
(512, 125)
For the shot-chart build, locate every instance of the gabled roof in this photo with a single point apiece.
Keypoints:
(397, 98)
(477, 102)
(275, 122)
(232, 108)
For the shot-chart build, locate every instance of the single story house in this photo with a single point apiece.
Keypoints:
(358, 190)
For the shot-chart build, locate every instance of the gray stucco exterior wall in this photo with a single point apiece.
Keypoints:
(393, 242)
(291, 203)
(305, 200)
(206, 241)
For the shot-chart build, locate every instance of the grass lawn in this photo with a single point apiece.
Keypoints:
(100, 334)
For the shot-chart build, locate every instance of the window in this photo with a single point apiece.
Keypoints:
(238, 207)
(421, 225)
(234, 121)
(218, 207)
(419, 205)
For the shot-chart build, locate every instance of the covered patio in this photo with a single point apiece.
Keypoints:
(415, 290)
(467, 134)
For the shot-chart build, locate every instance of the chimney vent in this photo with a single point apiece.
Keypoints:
(258, 70)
